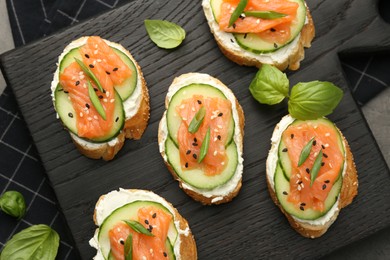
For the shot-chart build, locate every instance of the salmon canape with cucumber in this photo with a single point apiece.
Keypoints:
(139, 224)
(201, 138)
(100, 96)
(311, 173)
(255, 32)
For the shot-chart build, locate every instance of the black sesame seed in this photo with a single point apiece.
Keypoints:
(95, 89)
(108, 73)
(66, 92)
(285, 150)
(234, 26)
(101, 96)
(275, 45)
(299, 182)
(292, 136)
(322, 164)
(325, 155)
(273, 30)
(199, 102)
(165, 254)
(232, 40)
(60, 89)
(91, 66)
(220, 114)
(87, 105)
(77, 83)
(285, 193)
(323, 147)
(146, 222)
(301, 208)
(115, 69)
(87, 56)
(314, 143)
(154, 215)
(219, 137)
(195, 156)
(188, 152)
(324, 187)
(70, 115)
(327, 181)
(104, 91)
(303, 204)
(150, 228)
(194, 144)
(186, 165)
(195, 140)
(307, 170)
(116, 119)
(245, 35)
(122, 242)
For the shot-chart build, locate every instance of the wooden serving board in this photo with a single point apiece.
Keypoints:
(251, 226)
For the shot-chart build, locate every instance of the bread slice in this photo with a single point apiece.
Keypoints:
(136, 119)
(230, 190)
(349, 189)
(109, 202)
(289, 56)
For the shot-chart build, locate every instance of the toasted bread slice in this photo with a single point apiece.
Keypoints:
(288, 56)
(349, 189)
(184, 247)
(228, 191)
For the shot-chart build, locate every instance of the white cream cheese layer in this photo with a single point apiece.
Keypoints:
(228, 40)
(186, 80)
(130, 105)
(272, 161)
(116, 199)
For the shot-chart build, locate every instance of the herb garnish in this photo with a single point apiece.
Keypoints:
(95, 101)
(238, 11)
(265, 14)
(128, 250)
(305, 152)
(165, 34)
(197, 120)
(138, 227)
(316, 168)
(205, 146)
(90, 74)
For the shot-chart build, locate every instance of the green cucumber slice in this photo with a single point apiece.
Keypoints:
(126, 88)
(67, 115)
(252, 42)
(130, 211)
(282, 187)
(169, 249)
(173, 118)
(196, 177)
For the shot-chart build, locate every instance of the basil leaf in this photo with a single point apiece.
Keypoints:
(265, 14)
(138, 227)
(305, 152)
(95, 101)
(90, 74)
(205, 146)
(270, 85)
(316, 168)
(129, 248)
(238, 11)
(165, 34)
(36, 242)
(197, 120)
(13, 204)
(313, 99)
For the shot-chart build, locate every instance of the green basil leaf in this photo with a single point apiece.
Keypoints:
(138, 227)
(129, 248)
(313, 99)
(305, 152)
(238, 11)
(197, 120)
(95, 101)
(90, 74)
(36, 242)
(165, 34)
(205, 146)
(270, 85)
(265, 14)
(13, 204)
(316, 168)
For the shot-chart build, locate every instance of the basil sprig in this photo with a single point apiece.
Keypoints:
(89, 73)
(305, 152)
(95, 101)
(197, 120)
(35, 242)
(165, 34)
(265, 14)
(205, 146)
(316, 168)
(307, 101)
(13, 204)
(138, 227)
(128, 250)
(237, 12)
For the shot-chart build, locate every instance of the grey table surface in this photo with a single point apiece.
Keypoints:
(377, 113)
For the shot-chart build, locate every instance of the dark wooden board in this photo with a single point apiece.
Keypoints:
(250, 226)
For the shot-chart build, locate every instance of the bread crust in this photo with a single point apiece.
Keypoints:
(349, 190)
(296, 56)
(188, 248)
(193, 194)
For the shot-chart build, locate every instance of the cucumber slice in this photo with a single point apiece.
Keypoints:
(126, 88)
(252, 42)
(196, 177)
(169, 250)
(284, 159)
(282, 186)
(173, 118)
(130, 211)
(67, 115)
